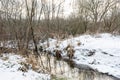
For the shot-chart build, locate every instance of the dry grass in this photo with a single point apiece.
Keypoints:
(7, 50)
(70, 51)
(33, 62)
(58, 54)
(79, 43)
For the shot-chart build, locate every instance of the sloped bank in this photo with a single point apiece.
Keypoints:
(11, 69)
(99, 52)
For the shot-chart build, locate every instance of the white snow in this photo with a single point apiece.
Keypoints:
(9, 65)
(106, 47)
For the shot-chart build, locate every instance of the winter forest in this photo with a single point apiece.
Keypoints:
(59, 39)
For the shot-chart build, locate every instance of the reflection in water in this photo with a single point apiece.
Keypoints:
(91, 75)
(61, 70)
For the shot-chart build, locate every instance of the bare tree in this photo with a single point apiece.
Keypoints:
(96, 9)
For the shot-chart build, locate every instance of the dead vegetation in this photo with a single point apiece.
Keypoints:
(7, 50)
(58, 54)
(33, 62)
(79, 43)
(70, 51)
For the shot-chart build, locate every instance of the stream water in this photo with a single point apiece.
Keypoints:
(62, 70)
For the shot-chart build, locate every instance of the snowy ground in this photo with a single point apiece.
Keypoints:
(100, 52)
(105, 50)
(9, 69)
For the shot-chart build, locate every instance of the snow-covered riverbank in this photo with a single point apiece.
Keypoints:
(9, 69)
(100, 52)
